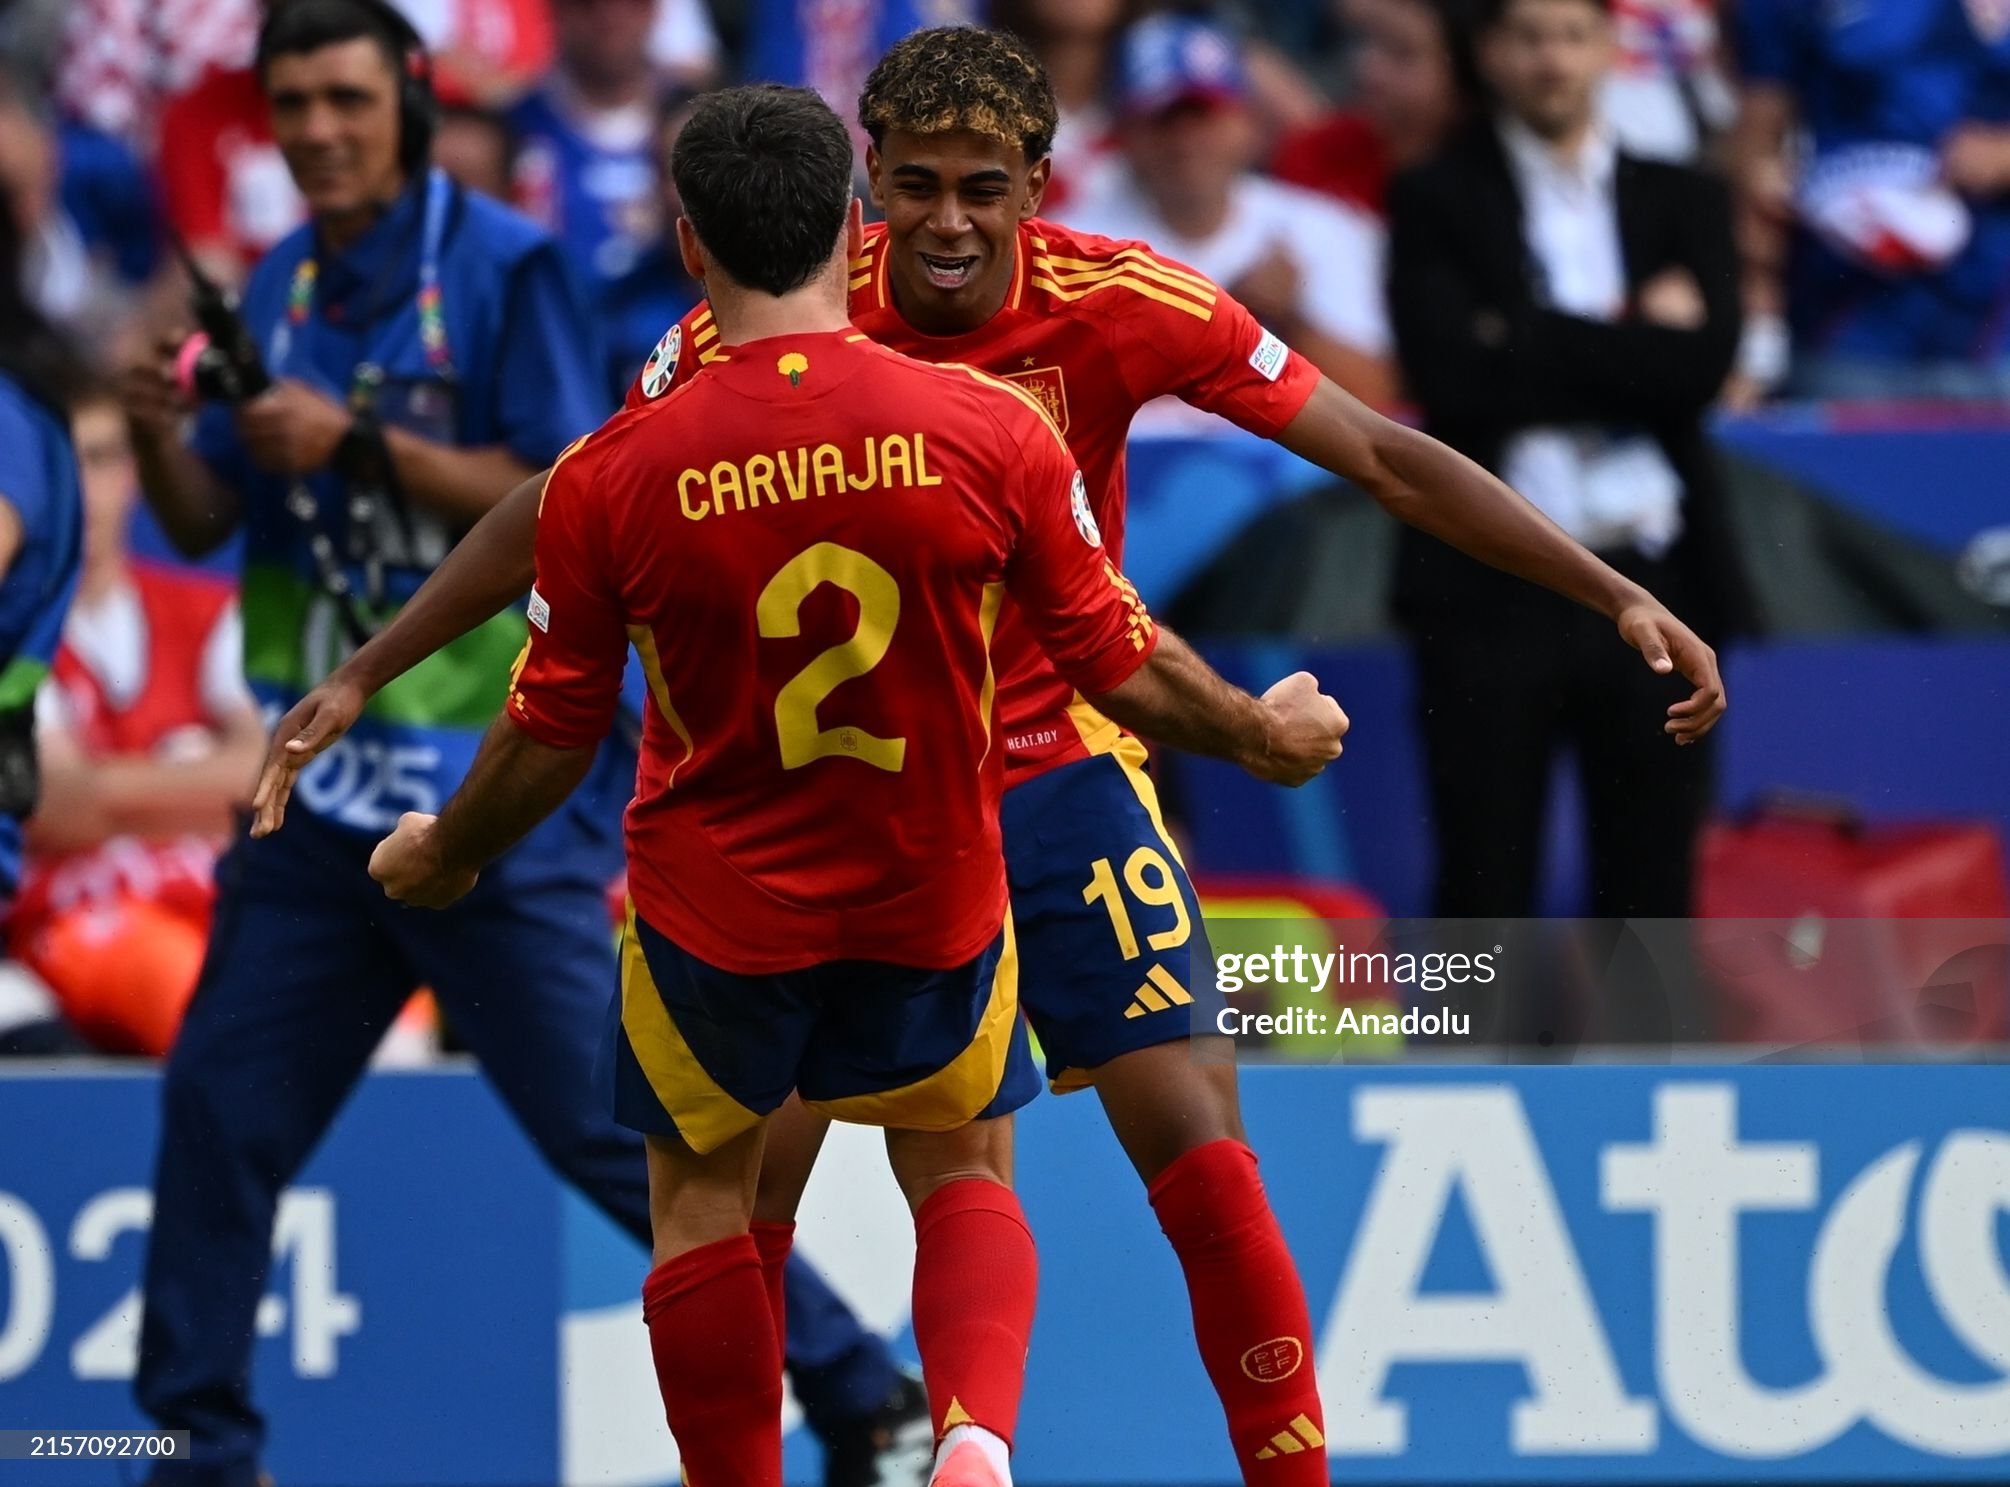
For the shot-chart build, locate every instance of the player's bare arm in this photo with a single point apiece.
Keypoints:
(1285, 736)
(514, 783)
(486, 572)
(1434, 488)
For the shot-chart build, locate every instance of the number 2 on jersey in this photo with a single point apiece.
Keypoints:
(779, 615)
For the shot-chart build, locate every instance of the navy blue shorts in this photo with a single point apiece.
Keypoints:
(1113, 956)
(704, 1054)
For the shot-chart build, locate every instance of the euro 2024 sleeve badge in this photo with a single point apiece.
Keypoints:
(1085, 519)
(662, 363)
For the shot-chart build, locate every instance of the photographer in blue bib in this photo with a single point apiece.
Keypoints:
(401, 362)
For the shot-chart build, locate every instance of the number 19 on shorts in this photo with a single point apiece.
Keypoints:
(1151, 882)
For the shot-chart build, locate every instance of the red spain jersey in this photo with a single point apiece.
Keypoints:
(809, 544)
(1094, 329)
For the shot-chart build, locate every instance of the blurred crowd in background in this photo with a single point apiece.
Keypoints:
(1860, 163)
(1870, 154)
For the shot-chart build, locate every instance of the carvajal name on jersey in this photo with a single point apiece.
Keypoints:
(886, 461)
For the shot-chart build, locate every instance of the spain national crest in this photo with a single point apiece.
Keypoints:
(1047, 385)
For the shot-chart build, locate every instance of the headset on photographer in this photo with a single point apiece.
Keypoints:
(364, 459)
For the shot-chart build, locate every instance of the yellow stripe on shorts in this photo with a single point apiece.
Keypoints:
(706, 1116)
(953, 1094)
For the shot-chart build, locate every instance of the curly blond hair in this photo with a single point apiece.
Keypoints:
(961, 78)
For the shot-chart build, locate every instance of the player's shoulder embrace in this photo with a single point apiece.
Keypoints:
(1058, 244)
(1119, 277)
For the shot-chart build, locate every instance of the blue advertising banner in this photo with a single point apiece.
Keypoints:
(409, 1325)
(1603, 1274)
(1748, 1274)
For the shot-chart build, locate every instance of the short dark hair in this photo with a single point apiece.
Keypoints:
(295, 26)
(954, 78)
(1492, 12)
(765, 174)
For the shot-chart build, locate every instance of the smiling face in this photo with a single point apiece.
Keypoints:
(335, 118)
(953, 205)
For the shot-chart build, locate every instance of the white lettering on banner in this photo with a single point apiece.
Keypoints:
(322, 1315)
(303, 1238)
(1697, 1177)
(1475, 1140)
(1967, 1190)
(31, 1287)
(108, 1347)
(1968, 1185)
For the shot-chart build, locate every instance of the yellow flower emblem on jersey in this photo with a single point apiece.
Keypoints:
(792, 366)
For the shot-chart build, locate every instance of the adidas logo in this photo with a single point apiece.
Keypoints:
(1302, 1435)
(1160, 991)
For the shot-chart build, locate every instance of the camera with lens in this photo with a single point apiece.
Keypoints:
(220, 362)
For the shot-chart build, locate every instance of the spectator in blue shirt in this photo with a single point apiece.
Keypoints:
(641, 306)
(1886, 243)
(586, 138)
(41, 551)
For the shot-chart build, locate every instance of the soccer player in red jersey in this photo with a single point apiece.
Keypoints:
(809, 545)
(965, 269)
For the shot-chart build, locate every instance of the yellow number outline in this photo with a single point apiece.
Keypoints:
(778, 613)
(1164, 894)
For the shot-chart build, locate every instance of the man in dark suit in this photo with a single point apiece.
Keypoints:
(1565, 314)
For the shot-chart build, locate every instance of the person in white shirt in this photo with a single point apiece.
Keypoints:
(1566, 313)
(1308, 267)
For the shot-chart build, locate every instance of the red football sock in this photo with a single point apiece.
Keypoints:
(975, 1275)
(1249, 1314)
(718, 1363)
(774, 1241)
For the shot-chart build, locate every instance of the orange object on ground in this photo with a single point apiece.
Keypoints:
(122, 970)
